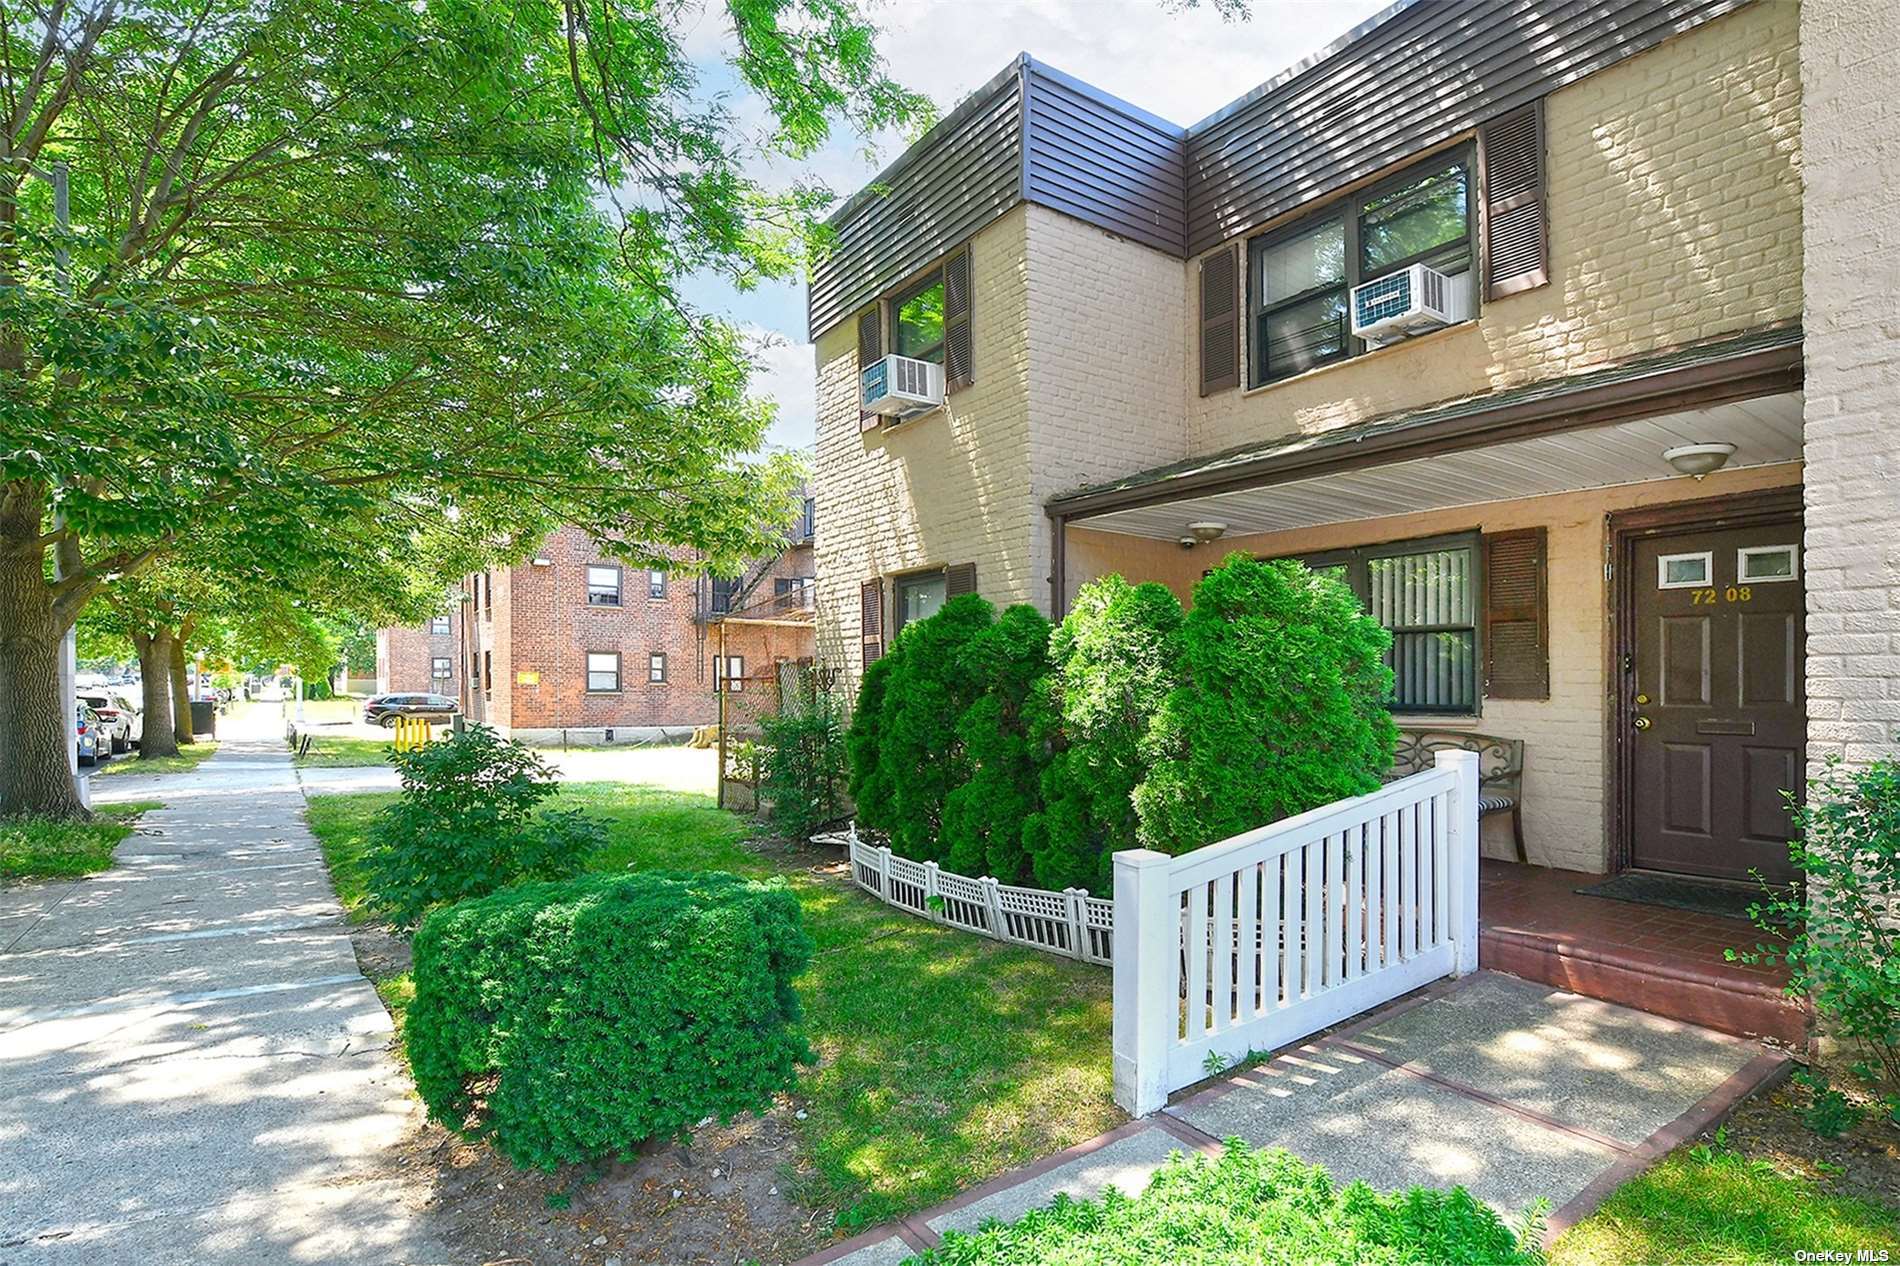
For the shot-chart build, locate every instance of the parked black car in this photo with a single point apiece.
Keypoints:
(384, 709)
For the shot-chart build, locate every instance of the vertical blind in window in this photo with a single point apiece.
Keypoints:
(1425, 593)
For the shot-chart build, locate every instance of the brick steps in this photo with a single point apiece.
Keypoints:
(1647, 980)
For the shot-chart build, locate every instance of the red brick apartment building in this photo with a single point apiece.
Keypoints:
(573, 643)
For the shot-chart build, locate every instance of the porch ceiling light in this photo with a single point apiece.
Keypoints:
(1698, 459)
(1206, 531)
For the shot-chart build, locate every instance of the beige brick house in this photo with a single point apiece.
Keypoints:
(1148, 338)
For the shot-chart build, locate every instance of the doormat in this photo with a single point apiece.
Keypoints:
(1678, 894)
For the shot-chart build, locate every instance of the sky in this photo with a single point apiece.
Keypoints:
(1180, 65)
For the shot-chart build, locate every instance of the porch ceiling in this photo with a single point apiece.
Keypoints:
(1765, 430)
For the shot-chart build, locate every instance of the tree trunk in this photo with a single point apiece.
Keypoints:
(181, 690)
(155, 670)
(35, 729)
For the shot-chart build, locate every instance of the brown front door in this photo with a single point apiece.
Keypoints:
(1717, 713)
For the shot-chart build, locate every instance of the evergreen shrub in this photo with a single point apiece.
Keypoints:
(983, 819)
(572, 1021)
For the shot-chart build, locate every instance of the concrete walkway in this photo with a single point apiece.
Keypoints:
(1515, 1091)
(192, 1070)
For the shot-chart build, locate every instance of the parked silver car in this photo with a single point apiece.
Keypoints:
(94, 743)
(124, 723)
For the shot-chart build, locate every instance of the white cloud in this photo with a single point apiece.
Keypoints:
(785, 373)
(1180, 65)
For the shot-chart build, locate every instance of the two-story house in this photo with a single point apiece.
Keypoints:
(1569, 478)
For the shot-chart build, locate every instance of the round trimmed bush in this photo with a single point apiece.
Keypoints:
(1281, 706)
(1112, 662)
(572, 1021)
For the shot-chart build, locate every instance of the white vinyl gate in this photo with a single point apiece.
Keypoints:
(1267, 937)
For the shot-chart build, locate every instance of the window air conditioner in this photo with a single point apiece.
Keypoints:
(1410, 301)
(899, 387)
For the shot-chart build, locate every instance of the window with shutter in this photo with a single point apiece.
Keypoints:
(870, 348)
(959, 348)
(1220, 321)
(1516, 616)
(871, 620)
(959, 579)
(1516, 228)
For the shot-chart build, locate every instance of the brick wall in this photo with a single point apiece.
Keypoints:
(1566, 778)
(1675, 216)
(952, 486)
(404, 659)
(1850, 61)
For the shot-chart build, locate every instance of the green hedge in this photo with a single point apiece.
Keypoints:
(571, 1021)
(1247, 1208)
(1280, 706)
(1004, 748)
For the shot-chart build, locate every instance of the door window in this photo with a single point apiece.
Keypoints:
(1684, 571)
(1766, 564)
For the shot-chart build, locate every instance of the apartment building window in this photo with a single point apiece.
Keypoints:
(1426, 592)
(488, 673)
(439, 625)
(1300, 276)
(603, 586)
(917, 320)
(729, 673)
(441, 667)
(656, 583)
(919, 596)
(793, 593)
(656, 666)
(724, 593)
(807, 521)
(603, 671)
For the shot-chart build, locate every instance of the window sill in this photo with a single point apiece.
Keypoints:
(600, 693)
(1470, 323)
(1434, 720)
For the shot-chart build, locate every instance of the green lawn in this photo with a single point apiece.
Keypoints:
(345, 752)
(189, 758)
(36, 848)
(944, 1058)
(1702, 1205)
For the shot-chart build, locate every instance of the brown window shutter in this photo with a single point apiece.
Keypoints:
(870, 348)
(1220, 321)
(1516, 228)
(959, 579)
(871, 619)
(959, 346)
(1516, 616)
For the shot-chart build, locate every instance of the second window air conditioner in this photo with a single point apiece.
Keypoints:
(899, 387)
(1410, 301)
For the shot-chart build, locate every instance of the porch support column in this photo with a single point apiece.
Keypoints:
(1058, 566)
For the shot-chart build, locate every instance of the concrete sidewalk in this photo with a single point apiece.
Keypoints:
(1515, 1091)
(192, 1070)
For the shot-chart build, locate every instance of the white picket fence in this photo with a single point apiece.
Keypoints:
(1267, 937)
(1069, 922)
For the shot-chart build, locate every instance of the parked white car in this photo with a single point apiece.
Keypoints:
(121, 720)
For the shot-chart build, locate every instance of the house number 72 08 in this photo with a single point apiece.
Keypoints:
(1708, 597)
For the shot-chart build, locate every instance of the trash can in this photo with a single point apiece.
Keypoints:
(204, 717)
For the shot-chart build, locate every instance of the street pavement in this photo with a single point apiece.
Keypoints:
(192, 1069)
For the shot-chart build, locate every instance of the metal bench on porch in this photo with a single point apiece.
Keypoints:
(1500, 769)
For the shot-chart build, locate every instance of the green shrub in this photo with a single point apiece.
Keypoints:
(1841, 936)
(983, 819)
(1246, 1208)
(867, 774)
(804, 762)
(1111, 665)
(467, 824)
(571, 1021)
(914, 756)
(1281, 706)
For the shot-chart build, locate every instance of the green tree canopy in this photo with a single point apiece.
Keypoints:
(342, 263)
